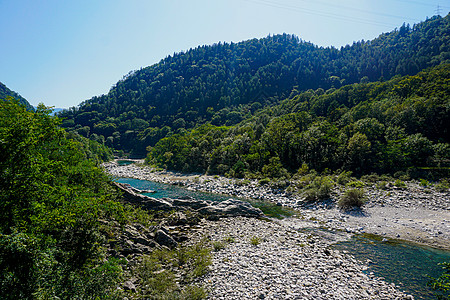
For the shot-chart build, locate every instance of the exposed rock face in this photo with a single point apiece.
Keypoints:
(228, 208)
(165, 239)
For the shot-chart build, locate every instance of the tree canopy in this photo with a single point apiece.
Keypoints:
(225, 82)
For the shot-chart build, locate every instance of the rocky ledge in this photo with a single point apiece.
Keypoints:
(212, 210)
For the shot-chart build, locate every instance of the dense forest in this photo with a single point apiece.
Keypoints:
(52, 198)
(224, 84)
(6, 92)
(382, 127)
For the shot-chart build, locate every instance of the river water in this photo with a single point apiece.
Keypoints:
(405, 264)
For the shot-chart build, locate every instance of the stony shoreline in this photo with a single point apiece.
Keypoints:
(289, 263)
(413, 214)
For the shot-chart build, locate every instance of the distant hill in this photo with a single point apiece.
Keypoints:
(5, 92)
(225, 83)
(400, 125)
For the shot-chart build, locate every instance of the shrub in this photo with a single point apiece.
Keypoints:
(217, 245)
(441, 285)
(158, 279)
(255, 241)
(319, 189)
(264, 181)
(229, 239)
(344, 177)
(356, 184)
(372, 178)
(424, 182)
(400, 184)
(382, 185)
(442, 186)
(352, 198)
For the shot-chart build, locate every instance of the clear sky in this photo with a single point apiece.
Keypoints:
(61, 52)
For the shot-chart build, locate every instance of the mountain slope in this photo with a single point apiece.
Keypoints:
(6, 92)
(383, 127)
(223, 83)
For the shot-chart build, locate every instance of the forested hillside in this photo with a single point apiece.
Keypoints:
(384, 127)
(225, 83)
(6, 92)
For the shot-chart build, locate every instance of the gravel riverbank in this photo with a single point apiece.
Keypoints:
(277, 260)
(258, 259)
(415, 214)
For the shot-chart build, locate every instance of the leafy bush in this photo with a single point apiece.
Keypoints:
(356, 184)
(424, 182)
(217, 245)
(382, 185)
(400, 184)
(344, 177)
(264, 181)
(158, 280)
(372, 178)
(319, 189)
(442, 186)
(352, 198)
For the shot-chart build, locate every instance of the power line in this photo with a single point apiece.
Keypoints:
(421, 3)
(318, 13)
(438, 10)
(364, 10)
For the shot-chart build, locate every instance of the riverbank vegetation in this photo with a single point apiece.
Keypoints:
(58, 210)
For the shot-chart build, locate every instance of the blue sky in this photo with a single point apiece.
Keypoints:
(63, 52)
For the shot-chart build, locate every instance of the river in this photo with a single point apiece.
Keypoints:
(405, 264)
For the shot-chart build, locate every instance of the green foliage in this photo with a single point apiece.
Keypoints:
(344, 177)
(356, 184)
(225, 83)
(158, 280)
(361, 134)
(255, 240)
(352, 198)
(441, 285)
(382, 185)
(400, 184)
(424, 182)
(218, 245)
(5, 93)
(318, 189)
(51, 199)
(442, 186)
(264, 181)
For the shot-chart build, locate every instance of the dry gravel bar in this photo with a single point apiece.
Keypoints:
(287, 263)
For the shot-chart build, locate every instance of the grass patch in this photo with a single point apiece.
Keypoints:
(169, 274)
(218, 245)
(352, 198)
(255, 241)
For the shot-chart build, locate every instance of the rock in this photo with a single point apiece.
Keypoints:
(164, 239)
(128, 285)
(231, 208)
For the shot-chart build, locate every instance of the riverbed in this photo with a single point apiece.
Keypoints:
(378, 256)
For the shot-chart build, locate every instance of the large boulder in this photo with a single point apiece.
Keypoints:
(231, 208)
(228, 208)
